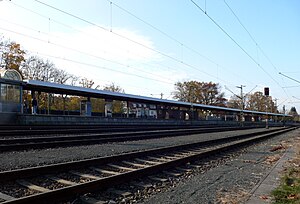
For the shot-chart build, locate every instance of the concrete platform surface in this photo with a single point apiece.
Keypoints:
(261, 193)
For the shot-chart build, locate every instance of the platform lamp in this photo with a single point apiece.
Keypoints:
(266, 93)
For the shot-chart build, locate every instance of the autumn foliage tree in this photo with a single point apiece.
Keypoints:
(199, 92)
(294, 113)
(256, 101)
(235, 102)
(259, 102)
(118, 106)
(12, 56)
(99, 103)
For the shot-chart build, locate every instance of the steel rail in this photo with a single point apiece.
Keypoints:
(67, 130)
(59, 141)
(71, 191)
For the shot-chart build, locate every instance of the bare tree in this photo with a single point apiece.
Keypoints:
(36, 68)
(86, 83)
(114, 88)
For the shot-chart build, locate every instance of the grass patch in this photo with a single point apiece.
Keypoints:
(289, 190)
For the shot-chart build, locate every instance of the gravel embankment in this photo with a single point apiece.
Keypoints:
(23, 159)
(230, 181)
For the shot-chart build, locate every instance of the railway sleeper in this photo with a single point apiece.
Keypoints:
(116, 177)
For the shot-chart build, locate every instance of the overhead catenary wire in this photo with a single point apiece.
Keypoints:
(285, 87)
(172, 38)
(289, 77)
(72, 49)
(105, 29)
(181, 44)
(65, 25)
(40, 32)
(235, 42)
(133, 41)
(181, 60)
(252, 38)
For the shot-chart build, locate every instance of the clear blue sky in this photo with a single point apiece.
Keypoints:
(188, 45)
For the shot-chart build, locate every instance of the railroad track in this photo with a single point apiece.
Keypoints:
(16, 144)
(33, 131)
(60, 182)
(6, 131)
(55, 130)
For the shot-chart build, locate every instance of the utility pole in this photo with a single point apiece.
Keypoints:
(283, 115)
(276, 99)
(161, 95)
(275, 109)
(242, 108)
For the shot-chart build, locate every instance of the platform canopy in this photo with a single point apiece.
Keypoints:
(48, 87)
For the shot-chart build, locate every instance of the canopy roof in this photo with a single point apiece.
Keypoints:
(95, 93)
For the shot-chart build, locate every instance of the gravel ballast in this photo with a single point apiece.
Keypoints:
(23, 159)
(232, 181)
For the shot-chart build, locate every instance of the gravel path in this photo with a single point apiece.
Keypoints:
(23, 159)
(230, 181)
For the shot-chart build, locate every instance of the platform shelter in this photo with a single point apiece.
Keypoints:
(11, 86)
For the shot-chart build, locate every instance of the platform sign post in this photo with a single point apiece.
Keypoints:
(85, 108)
(108, 108)
(127, 112)
(82, 108)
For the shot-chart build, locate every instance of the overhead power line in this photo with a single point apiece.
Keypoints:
(79, 51)
(252, 38)
(126, 38)
(75, 29)
(289, 77)
(255, 42)
(170, 37)
(235, 42)
(285, 87)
